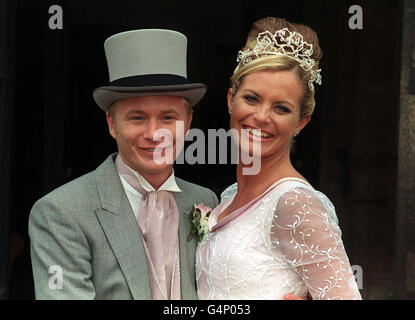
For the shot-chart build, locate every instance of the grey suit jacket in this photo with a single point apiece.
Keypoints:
(86, 244)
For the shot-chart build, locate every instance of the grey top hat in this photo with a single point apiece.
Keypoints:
(147, 62)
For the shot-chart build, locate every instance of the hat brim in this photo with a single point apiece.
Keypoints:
(107, 95)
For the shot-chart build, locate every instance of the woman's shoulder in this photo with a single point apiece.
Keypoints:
(290, 188)
(295, 192)
(229, 192)
(279, 187)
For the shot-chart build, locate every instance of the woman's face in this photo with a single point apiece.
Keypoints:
(271, 102)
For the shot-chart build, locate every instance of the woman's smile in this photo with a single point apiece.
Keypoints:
(257, 133)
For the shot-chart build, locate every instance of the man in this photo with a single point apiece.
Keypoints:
(120, 232)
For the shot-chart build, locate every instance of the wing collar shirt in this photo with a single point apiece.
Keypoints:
(135, 197)
(157, 215)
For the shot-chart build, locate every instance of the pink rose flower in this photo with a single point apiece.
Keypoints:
(204, 209)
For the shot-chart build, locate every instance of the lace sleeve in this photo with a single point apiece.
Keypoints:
(229, 192)
(304, 231)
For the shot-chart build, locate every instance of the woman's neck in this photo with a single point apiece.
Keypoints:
(272, 169)
(252, 186)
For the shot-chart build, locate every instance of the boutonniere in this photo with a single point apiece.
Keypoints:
(199, 219)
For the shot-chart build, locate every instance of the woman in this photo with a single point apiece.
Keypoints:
(273, 233)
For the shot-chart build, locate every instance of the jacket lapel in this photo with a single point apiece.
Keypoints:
(118, 222)
(187, 248)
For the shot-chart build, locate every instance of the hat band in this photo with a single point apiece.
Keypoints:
(149, 80)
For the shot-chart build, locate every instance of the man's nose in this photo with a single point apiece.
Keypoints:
(150, 132)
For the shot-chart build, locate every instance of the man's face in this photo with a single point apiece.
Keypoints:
(136, 124)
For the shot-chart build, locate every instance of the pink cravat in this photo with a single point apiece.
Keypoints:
(158, 220)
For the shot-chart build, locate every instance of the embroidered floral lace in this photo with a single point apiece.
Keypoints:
(285, 241)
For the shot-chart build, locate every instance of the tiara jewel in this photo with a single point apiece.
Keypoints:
(283, 42)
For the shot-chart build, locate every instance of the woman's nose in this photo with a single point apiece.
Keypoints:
(262, 114)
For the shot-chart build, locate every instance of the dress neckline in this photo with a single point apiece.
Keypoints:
(213, 223)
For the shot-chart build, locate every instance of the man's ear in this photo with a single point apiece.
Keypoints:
(110, 122)
(189, 119)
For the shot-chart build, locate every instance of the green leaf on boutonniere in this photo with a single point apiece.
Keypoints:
(199, 213)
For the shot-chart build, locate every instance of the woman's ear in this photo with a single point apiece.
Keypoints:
(302, 123)
(230, 100)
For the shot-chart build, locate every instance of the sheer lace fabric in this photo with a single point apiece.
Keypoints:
(285, 241)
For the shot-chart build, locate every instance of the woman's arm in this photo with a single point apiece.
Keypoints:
(311, 242)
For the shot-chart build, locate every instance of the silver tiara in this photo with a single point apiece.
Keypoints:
(283, 42)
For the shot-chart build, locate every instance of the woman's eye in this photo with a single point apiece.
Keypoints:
(282, 109)
(250, 99)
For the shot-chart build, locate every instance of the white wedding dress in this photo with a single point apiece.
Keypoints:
(287, 240)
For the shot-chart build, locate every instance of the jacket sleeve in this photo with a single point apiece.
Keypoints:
(61, 257)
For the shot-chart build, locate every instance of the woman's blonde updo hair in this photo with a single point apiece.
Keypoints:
(280, 62)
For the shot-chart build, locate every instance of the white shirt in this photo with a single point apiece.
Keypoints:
(135, 197)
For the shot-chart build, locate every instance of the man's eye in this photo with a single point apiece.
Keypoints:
(167, 118)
